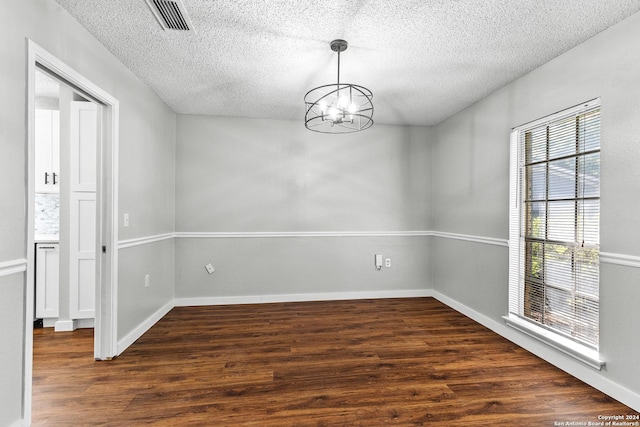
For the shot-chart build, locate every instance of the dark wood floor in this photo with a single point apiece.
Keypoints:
(402, 362)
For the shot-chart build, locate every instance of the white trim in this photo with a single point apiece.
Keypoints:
(620, 259)
(138, 241)
(323, 296)
(469, 238)
(587, 356)
(68, 325)
(270, 234)
(123, 244)
(607, 257)
(106, 291)
(15, 266)
(106, 298)
(551, 355)
(18, 423)
(279, 234)
(516, 246)
(29, 297)
(571, 111)
(143, 327)
(64, 326)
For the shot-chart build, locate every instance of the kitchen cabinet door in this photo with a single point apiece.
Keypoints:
(47, 280)
(47, 151)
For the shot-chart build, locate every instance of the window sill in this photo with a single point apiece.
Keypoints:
(584, 354)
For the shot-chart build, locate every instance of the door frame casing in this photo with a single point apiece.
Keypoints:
(106, 296)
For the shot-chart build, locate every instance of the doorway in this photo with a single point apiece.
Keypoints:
(66, 139)
(96, 207)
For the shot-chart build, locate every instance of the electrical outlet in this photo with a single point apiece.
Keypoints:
(126, 220)
(209, 268)
(387, 262)
(146, 280)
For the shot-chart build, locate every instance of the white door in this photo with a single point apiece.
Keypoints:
(82, 179)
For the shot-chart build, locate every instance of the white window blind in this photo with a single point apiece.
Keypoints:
(554, 225)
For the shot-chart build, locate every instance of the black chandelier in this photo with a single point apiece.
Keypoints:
(339, 107)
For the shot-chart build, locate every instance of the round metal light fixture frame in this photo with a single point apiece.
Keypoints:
(338, 107)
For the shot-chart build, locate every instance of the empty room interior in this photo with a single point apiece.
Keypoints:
(320, 213)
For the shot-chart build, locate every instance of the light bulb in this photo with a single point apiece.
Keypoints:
(353, 108)
(333, 113)
(323, 106)
(342, 102)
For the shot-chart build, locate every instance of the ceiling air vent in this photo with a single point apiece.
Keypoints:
(171, 14)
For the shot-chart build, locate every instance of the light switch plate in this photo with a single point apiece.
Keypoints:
(209, 268)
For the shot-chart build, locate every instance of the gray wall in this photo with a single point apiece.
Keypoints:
(147, 145)
(248, 175)
(12, 212)
(12, 333)
(147, 194)
(238, 174)
(471, 181)
(136, 302)
(300, 265)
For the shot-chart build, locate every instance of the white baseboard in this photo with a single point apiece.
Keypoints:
(143, 327)
(64, 326)
(68, 325)
(328, 296)
(556, 358)
(18, 423)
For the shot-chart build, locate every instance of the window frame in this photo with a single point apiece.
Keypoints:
(517, 211)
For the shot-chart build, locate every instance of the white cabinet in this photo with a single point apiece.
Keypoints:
(47, 280)
(47, 151)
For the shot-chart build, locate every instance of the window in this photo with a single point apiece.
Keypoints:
(554, 230)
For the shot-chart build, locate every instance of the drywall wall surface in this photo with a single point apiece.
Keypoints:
(470, 162)
(619, 343)
(142, 144)
(12, 141)
(147, 168)
(463, 269)
(243, 175)
(137, 302)
(12, 321)
(249, 176)
(264, 266)
(471, 181)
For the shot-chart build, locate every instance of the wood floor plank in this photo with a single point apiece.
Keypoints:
(403, 362)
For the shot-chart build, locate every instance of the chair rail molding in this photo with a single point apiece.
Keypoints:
(620, 259)
(471, 238)
(272, 234)
(15, 266)
(138, 241)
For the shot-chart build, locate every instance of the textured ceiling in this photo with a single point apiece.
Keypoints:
(423, 60)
